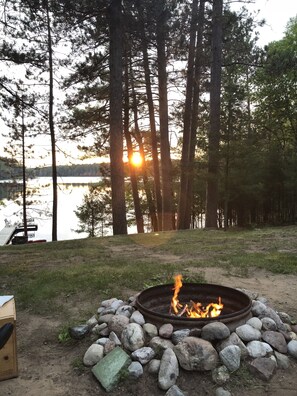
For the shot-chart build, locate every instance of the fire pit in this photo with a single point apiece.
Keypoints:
(155, 305)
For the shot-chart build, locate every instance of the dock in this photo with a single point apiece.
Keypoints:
(8, 232)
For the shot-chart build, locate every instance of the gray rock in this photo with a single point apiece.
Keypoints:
(125, 310)
(284, 317)
(117, 304)
(103, 330)
(107, 303)
(271, 313)
(230, 356)
(159, 345)
(258, 349)
(292, 348)
(109, 346)
(220, 375)
(276, 340)
(258, 308)
(102, 341)
(166, 330)
(107, 311)
(154, 366)
(248, 333)
(179, 335)
(143, 355)
(137, 317)
(255, 322)
(215, 331)
(100, 310)
(174, 391)
(263, 300)
(92, 321)
(150, 330)
(233, 340)
(283, 362)
(78, 332)
(263, 368)
(117, 324)
(135, 370)
(113, 337)
(169, 370)
(93, 354)
(222, 392)
(95, 329)
(195, 332)
(105, 318)
(132, 337)
(196, 354)
(269, 324)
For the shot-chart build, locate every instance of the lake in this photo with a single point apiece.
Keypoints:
(70, 195)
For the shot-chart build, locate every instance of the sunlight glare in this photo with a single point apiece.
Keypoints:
(136, 159)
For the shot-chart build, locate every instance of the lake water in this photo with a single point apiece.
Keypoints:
(70, 195)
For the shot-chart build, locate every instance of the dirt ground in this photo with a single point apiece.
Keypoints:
(50, 368)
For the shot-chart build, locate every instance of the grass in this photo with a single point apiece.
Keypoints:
(48, 278)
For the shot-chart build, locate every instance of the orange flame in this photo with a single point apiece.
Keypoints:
(193, 309)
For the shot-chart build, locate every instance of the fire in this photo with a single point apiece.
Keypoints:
(193, 309)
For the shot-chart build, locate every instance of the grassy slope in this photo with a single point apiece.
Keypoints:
(46, 278)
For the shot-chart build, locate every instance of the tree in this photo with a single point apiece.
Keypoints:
(166, 167)
(116, 125)
(94, 213)
(214, 127)
(190, 118)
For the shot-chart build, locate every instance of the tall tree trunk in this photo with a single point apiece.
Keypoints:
(195, 110)
(185, 158)
(133, 177)
(52, 127)
(214, 128)
(150, 102)
(24, 173)
(116, 135)
(138, 137)
(166, 168)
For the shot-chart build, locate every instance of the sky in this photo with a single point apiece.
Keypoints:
(276, 13)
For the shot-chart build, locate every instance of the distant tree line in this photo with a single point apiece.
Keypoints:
(69, 170)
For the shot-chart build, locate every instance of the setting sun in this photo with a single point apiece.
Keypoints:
(136, 159)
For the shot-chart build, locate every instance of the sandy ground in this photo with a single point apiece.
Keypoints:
(50, 368)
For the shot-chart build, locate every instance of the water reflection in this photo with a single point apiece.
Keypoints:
(70, 195)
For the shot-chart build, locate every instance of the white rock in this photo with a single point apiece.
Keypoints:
(169, 370)
(93, 355)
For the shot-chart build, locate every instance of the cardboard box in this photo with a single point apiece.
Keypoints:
(8, 353)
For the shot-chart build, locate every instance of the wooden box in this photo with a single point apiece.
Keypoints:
(8, 353)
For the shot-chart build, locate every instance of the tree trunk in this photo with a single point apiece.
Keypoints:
(191, 121)
(138, 137)
(24, 173)
(116, 136)
(52, 127)
(195, 109)
(167, 195)
(133, 177)
(150, 102)
(214, 129)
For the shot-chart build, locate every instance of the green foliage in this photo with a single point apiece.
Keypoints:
(64, 335)
(94, 213)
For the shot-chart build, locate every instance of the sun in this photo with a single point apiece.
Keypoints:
(136, 159)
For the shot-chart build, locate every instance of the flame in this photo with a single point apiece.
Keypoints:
(193, 309)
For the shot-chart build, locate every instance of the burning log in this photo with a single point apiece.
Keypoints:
(193, 309)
